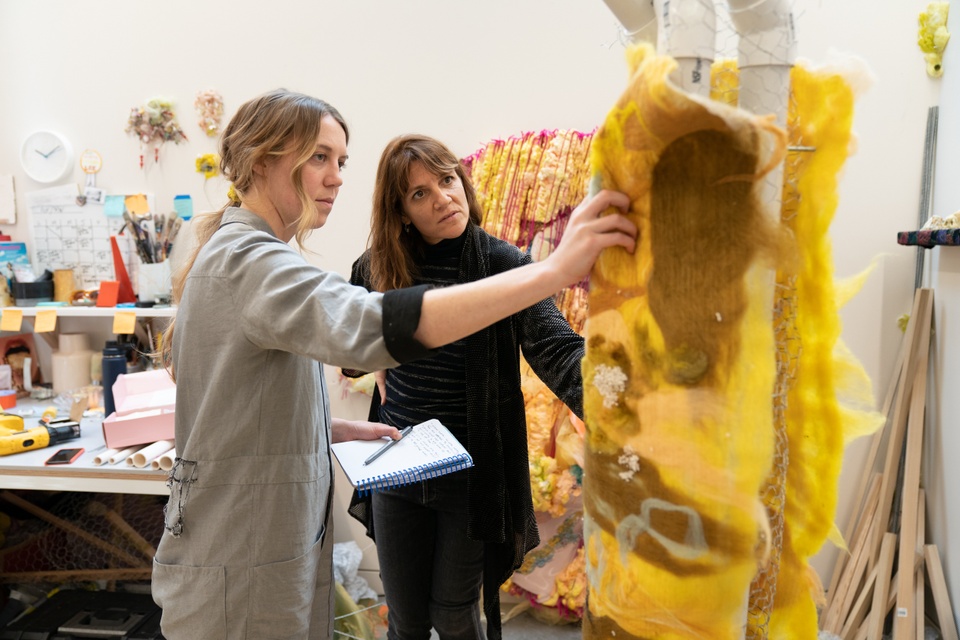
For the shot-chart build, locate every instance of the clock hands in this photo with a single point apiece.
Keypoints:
(49, 153)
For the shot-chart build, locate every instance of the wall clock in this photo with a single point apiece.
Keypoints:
(46, 156)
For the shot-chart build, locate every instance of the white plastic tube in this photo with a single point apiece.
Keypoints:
(687, 32)
(767, 51)
(165, 461)
(104, 456)
(766, 31)
(120, 456)
(638, 17)
(146, 455)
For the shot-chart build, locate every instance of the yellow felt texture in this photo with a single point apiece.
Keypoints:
(830, 400)
(679, 366)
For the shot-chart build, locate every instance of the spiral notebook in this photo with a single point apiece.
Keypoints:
(428, 451)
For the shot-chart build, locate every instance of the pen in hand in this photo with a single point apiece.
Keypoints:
(379, 452)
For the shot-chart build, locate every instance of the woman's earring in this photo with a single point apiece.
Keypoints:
(406, 228)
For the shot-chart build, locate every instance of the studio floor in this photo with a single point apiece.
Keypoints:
(525, 627)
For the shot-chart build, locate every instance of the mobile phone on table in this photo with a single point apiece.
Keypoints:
(65, 456)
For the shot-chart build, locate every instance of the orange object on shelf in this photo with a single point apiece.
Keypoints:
(8, 399)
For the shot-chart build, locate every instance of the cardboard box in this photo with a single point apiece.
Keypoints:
(145, 403)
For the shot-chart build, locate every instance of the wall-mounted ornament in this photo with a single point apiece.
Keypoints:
(209, 106)
(932, 36)
(155, 123)
(90, 164)
(209, 165)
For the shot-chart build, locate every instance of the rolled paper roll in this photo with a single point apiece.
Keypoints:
(143, 457)
(165, 461)
(104, 457)
(125, 454)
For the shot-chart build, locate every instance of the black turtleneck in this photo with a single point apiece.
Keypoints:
(433, 387)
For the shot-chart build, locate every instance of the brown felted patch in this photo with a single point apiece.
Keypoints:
(706, 228)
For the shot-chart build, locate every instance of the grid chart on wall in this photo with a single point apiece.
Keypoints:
(67, 235)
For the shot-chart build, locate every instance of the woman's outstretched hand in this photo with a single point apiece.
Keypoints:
(590, 231)
(451, 313)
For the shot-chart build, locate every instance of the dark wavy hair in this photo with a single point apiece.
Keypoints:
(392, 249)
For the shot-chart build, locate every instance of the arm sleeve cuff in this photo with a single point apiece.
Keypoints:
(401, 316)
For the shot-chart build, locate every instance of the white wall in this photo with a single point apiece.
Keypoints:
(466, 73)
(941, 475)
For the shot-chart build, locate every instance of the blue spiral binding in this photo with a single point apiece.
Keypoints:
(415, 474)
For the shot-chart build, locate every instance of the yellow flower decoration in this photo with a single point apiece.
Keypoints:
(933, 36)
(209, 165)
(902, 322)
(232, 194)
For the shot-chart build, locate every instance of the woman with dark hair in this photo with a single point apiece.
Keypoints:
(247, 546)
(440, 539)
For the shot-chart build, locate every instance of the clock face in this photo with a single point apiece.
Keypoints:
(46, 156)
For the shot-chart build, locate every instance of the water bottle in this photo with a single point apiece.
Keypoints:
(114, 363)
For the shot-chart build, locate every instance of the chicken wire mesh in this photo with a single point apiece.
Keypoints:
(74, 537)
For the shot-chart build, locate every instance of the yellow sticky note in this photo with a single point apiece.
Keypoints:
(46, 321)
(137, 204)
(11, 320)
(124, 321)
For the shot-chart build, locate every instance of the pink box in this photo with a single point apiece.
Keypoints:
(145, 403)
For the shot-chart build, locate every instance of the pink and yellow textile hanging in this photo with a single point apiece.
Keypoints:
(527, 186)
(680, 366)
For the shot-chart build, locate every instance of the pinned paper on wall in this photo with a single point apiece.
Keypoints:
(8, 201)
(183, 205)
(113, 206)
(137, 204)
(69, 236)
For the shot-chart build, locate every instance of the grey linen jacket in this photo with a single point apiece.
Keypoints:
(246, 550)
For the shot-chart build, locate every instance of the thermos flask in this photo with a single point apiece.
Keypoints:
(114, 363)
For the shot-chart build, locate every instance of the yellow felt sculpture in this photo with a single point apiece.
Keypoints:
(680, 366)
(712, 423)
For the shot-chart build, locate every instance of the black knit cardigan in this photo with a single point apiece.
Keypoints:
(498, 486)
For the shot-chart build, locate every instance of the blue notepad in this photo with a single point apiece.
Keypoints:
(428, 451)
